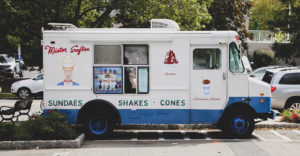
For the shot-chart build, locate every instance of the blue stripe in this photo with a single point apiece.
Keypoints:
(176, 116)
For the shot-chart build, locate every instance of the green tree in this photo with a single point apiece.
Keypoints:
(288, 20)
(263, 11)
(21, 20)
(229, 15)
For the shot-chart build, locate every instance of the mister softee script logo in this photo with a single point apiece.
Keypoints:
(74, 49)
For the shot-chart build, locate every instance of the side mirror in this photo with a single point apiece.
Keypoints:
(34, 78)
(252, 75)
(252, 63)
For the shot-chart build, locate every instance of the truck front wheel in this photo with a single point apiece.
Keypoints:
(239, 125)
(98, 126)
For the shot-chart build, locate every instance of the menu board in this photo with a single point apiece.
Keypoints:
(108, 80)
(143, 80)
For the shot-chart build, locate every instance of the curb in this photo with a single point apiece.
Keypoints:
(43, 144)
(202, 126)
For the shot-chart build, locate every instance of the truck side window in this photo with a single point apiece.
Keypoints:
(235, 63)
(107, 54)
(206, 59)
(136, 69)
(135, 55)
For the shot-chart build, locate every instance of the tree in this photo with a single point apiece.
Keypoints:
(189, 14)
(229, 15)
(21, 21)
(288, 20)
(262, 12)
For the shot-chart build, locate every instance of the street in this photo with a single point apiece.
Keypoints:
(180, 142)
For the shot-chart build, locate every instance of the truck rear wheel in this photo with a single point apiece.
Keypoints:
(239, 125)
(98, 126)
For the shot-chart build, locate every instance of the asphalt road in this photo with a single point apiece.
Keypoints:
(179, 143)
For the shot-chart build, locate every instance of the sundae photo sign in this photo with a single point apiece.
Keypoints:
(206, 86)
(108, 80)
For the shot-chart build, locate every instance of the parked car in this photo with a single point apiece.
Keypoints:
(285, 87)
(9, 67)
(29, 87)
(260, 72)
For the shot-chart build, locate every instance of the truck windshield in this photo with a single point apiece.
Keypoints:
(235, 63)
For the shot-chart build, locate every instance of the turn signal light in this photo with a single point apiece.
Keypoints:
(262, 100)
(273, 89)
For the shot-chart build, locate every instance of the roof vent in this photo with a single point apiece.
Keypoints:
(61, 26)
(164, 23)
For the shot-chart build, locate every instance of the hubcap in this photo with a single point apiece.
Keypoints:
(239, 125)
(24, 93)
(295, 106)
(98, 125)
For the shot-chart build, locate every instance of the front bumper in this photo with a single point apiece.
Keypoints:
(270, 115)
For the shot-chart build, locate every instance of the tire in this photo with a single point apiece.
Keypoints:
(239, 125)
(293, 104)
(98, 126)
(24, 93)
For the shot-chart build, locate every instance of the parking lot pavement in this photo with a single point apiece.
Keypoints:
(180, 142)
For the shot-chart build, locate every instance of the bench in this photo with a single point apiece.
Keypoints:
(21, 107)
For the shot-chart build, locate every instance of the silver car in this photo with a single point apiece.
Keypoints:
(285, 87)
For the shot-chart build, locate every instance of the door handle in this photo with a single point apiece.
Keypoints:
(224, 76)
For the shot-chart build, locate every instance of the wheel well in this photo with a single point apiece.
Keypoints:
(25, 88)
(236, 107)
(101, 106)
(290, 99)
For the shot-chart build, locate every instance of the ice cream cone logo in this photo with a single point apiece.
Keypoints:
(68, 64)
(170, 58)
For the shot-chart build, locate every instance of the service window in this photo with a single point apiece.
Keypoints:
(290, 79)
(117, 72)
(136, 69)
(235, 63)
(107, 54)
(204, 59)
(135, 55)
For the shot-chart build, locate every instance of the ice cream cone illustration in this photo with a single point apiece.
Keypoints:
(68, 64)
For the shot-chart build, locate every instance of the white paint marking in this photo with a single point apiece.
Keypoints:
(206, 135)
(184, 135)
(296, 131)
(160, 136)
(258, 137)
(135, 134)
(61, 154)
(281, 136)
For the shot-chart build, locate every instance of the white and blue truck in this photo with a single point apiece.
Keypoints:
(160, 75)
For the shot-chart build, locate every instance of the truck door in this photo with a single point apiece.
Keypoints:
(208, 83)
(238, 84)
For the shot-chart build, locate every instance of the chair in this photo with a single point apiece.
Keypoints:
(21, 107)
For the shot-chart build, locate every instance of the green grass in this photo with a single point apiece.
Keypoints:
(7, 95)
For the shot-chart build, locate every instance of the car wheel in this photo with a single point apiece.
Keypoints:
(24, 93)
(293, 105)
(239, 125)
(98, 126)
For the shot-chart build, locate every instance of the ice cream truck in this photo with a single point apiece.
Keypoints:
(160, 75)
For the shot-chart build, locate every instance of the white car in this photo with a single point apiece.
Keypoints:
(29, 87)
(9, 67)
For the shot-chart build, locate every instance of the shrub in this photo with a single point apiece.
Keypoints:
(52, 126)
(291, 116)
(263, 57)
(6, 130)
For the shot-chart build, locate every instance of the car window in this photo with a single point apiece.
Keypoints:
(268, 77)
(235, 63)
(290, 79)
